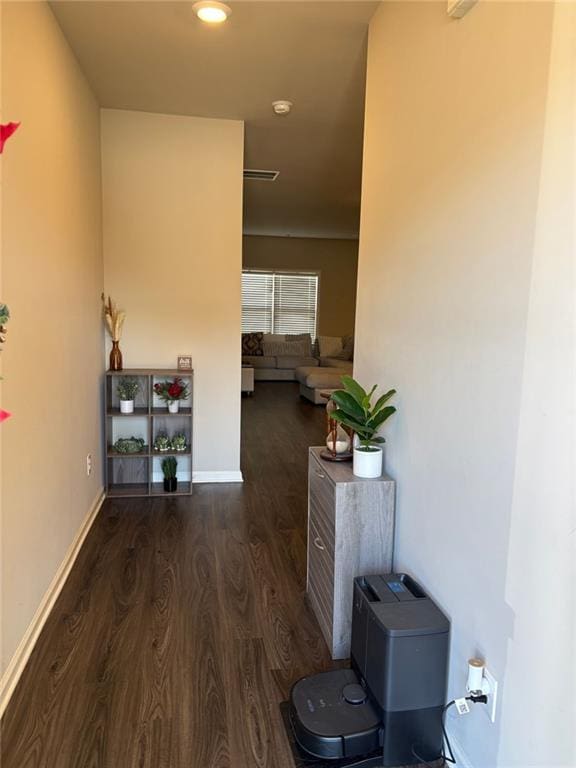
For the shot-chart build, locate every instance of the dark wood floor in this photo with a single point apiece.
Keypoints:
(183, 623)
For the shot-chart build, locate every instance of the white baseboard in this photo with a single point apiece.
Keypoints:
(217, 477)
(462, 759)
(19, 660)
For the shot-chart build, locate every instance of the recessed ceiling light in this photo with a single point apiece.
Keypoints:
(212, 11)
(282, 106)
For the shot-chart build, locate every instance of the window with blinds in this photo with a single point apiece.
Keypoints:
(279, 302)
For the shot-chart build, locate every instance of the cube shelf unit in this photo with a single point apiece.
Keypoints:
(140, 474)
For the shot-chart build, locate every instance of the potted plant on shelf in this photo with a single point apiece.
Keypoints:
(169, 466)
(129, 445)
(179, 442)
(127, 390)
(171, 392)
(162, 442)
(355, 410)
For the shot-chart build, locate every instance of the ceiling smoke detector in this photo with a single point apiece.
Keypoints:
(282, 106)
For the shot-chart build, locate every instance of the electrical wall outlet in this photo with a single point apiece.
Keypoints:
(492, 694)
(88, 465)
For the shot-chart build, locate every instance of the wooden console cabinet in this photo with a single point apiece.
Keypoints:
(350, 533)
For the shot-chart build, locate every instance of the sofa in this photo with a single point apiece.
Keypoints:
(293, 357)
(326, 377)
(277, 367)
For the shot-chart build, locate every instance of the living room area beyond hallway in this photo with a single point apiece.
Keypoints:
(298, 311)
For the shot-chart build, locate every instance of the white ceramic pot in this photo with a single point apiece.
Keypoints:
(126, 406)
(173, 406)
(367, 463)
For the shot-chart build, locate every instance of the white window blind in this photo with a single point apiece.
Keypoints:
(257, 301)
(279, 302)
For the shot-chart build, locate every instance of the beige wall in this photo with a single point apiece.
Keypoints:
(466, 306)
(172, 259)
(337, 262)
(52, 280)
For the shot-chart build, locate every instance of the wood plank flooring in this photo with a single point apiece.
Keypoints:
(183, 623)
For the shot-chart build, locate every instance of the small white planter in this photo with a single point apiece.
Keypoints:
(367, 463)
(173, 406)
(126, 406)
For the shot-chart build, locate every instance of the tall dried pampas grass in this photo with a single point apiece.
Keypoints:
(114, 318)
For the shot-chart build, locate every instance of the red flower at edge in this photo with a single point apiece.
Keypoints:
(6, 130)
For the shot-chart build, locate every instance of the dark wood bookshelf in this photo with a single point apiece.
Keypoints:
(133, 474)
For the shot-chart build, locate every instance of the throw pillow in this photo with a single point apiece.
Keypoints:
(305, 337)
(252, 343)
(286, 348)
(330, 346)
(274, 337)
(347, 352)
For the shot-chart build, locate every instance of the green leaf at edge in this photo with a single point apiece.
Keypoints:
(382, 400)
(346, 402)
(352, 386)
(343, 418)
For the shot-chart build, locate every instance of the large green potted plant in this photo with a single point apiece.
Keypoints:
(356, 411)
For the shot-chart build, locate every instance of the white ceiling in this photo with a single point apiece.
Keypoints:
(158, 57)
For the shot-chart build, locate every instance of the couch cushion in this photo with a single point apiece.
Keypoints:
(289, 361)
(320, 378)
(274, 337)
(330, 345)
(259, 361)
(347, 352)
(335, 362)
(302, 337)
(291, 348)
(302, 372)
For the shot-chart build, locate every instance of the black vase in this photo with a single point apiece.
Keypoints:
(170, 484)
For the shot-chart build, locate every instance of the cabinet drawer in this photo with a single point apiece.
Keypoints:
(321, 572)
(322, 496)
(323, 525)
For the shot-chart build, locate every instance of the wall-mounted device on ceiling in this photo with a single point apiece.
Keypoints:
(459, 8)
(282, 106)
(257, 175)
(388, 709)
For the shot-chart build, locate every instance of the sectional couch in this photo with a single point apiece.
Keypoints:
(296, 359)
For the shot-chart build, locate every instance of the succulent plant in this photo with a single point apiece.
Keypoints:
(127, 388)
(179, 442)
(162, 442)
(129, 445)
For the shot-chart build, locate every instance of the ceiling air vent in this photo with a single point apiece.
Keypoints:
(260, 175)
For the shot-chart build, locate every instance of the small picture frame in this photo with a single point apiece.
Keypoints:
(184, 362)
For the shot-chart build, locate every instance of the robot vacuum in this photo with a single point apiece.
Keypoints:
(387, 709)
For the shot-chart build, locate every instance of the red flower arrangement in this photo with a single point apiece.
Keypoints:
(169, 391)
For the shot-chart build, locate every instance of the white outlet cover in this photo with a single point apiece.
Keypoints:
(492, 696)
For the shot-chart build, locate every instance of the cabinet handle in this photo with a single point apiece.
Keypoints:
(318, 543)
(320, 474)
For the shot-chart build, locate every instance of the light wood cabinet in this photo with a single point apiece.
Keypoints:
(350, 533)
